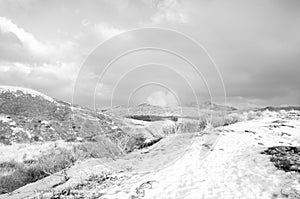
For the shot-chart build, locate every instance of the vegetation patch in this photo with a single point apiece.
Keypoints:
(286, 108)
(14, 175)
(92, 187)
(285, 158)
(153, 118)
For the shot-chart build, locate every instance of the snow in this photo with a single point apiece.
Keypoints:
(31, 92)
(4, 119)
(114, 127)
(17, 130)
(234, 168)
(45, 122)
(12, 123)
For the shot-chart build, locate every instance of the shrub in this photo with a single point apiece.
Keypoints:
(55, 160)
(134, 142)
(224, 120)
(169, 130)
(254, 115)
(188, 127)
(22, 173)
(19, 176)
(98, 149)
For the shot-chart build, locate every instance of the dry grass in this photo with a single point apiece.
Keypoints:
(186, 126)
(191, 126)
(224, 120)
(197, 125)
(14, 175)
(253, 115)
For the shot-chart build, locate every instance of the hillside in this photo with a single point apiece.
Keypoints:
(142, 109)
(278, 108)
(40, 135)
(29, 116)
(216, 107)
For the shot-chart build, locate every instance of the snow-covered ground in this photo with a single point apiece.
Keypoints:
(234, 168)
(4, 118)
(225, 163)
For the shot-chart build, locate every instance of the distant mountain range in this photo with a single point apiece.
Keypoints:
(278, 108)
(213, 106)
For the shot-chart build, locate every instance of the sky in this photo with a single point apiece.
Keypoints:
(243, 52)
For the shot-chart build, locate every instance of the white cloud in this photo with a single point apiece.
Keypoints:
(102, 90)
(27, 39)
(46, 78)
(31, 46)
(164, 99)
(7, 67)
(106, 31)
(169, 11)
(92, 34)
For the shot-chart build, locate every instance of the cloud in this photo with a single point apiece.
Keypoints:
(168, 11)
(46, 78)
(164, 99)
(27, 40)
(92, 34)
(16, 44)
(49, 67)
(28, 62)
(255, 43)
(106, 31)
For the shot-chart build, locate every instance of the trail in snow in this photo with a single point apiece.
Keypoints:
(234, 168)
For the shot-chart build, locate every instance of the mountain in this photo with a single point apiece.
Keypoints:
(278, 108)
(213, 106)
(29, 116)
(142, 109)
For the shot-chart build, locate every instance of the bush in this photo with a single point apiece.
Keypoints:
(18, 176)
(169, 130)
(56, 160)
(21, 173)
(224, 120)
(188, 127)
(98, 149)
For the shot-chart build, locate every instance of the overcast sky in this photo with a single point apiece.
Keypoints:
(255, 45)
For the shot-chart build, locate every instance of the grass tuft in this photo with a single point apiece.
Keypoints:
(14, 175)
